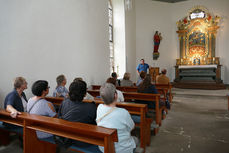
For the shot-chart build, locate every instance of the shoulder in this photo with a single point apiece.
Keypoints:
(121, 112)
(118, 91)
(90, 105)
(12, 96)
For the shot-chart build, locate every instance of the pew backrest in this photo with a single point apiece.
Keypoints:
(74, 130)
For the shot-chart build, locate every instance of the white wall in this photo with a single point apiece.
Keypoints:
(119, 36)
(40, 39)
(152, 16)
(130, 26)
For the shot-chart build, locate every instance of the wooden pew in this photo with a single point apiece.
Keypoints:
(162, 89)
(133, 109)
(140, 96)
(74, 130)
(167, 87)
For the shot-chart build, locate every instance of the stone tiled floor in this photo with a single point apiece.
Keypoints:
(198, 122)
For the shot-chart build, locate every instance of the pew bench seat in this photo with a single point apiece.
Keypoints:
(92, 134)
(88, 149)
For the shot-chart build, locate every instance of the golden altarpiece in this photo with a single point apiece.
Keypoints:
(197, 38)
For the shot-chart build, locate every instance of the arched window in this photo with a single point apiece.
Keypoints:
(111, 44)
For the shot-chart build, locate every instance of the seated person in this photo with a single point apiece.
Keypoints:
(126, 82)
(115, 76)
(88, 96)
(16, 101)
(61, 90)
(74, 110)
(38, 105)
(119, 93)
(142, 76)
(147, 87)
(162, 78)
(110, 116)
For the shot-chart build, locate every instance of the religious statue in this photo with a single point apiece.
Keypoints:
(157, 39)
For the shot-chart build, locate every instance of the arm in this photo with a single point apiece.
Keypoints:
(50, 105)
(138, 69)
(12, 110)
(129, 122)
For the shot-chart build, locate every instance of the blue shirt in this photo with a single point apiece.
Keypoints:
(142, 67)
(139, 82)
(14, 100)
(63, 91)
(40, 107)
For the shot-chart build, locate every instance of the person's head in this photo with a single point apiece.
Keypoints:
(145, 83)
(111, 80)
(163, 71)
(142, 61)
(108, 93)
(77, 79)
(126, 76)
(20, 83)
(40, 88)
(114, 75)
(61, 80)
(77, 90)
(147, 79)
(156, 33)
(143, 74)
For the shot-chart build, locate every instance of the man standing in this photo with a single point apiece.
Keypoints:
(162, 78)
(142, 66)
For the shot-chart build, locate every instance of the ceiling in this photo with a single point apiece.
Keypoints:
(170, 1)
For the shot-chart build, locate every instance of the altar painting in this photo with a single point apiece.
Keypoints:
(197, 35)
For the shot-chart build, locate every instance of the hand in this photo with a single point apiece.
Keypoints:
(58, 94)
(14, 114)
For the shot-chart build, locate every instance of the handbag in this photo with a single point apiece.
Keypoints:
(63, 142)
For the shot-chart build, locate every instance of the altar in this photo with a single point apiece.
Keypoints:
(198, 73)
(198, 67)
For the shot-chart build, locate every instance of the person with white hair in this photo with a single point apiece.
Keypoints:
(110, 116)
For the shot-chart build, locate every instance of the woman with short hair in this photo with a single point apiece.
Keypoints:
(119, 93)
(126, 82)
(110, 116)
(75, 110)
(38, 105)
(61, 90)
(16, 101)
(147, 87)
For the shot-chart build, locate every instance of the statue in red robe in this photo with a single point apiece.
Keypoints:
(157, 39)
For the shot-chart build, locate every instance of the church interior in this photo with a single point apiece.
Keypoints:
(41, 39)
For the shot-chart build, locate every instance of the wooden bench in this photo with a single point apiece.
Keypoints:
(168, 87)
(134, 109)
(163, 89)
(74, 130)
(128, 96)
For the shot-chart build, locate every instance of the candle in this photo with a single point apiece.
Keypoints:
(213, 60)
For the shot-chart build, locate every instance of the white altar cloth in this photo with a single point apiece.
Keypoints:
(197, 66)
